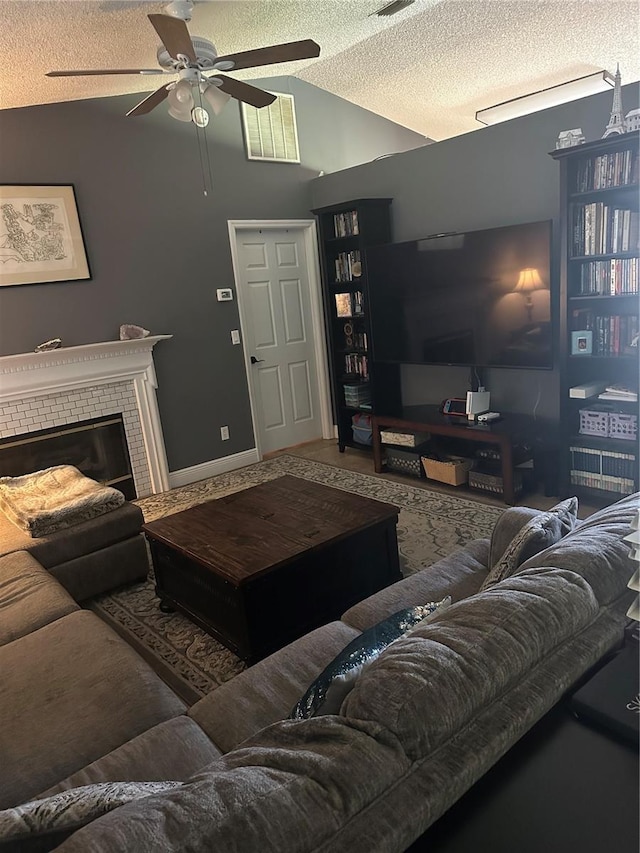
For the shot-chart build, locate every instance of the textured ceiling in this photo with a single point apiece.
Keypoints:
(429, 68)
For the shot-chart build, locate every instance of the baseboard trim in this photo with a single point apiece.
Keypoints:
(185, 476)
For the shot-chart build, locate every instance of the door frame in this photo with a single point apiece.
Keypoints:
(308, 231)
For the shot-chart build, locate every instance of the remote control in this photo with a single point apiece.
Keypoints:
(489, 416)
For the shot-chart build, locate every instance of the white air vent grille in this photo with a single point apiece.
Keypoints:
(270, 133)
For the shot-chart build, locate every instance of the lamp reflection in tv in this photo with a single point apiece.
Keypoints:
(528, 281)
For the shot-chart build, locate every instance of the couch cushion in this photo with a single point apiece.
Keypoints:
(596, 550)
(105, 569)
(291, 787)
(424, 687)
(541, 531)
(458, 575)
(268, 690)
(175, 749)
(71, 692)
(29, 597)
(329, 690)
(121, 523)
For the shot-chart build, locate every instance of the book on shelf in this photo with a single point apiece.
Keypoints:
(356, 364)
(358, 302)
(600, 229)
(613, 334)
(602, 469)
(348, 266)
(615, 277)
(346, 224)
(611, 169)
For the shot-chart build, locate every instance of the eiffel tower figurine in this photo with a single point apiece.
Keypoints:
(616, 122)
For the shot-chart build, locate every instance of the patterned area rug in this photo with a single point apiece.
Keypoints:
(431, 525)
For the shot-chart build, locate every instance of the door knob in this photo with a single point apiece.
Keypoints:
(255, 360)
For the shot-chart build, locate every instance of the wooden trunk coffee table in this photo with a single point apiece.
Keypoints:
(263, 566)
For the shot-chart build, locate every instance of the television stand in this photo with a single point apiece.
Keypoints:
(428, 418)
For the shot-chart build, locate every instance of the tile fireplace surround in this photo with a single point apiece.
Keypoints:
(72, 384)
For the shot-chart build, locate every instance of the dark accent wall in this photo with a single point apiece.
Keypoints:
(498, 175)
(158, 248)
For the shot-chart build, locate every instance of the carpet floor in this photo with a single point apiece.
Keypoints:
(431, 525)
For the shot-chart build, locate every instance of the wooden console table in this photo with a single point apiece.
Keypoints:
(504, 433)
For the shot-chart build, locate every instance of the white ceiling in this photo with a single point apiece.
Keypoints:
(429, 68)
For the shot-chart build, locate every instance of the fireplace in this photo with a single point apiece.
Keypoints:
(97, 447)
(59, 390)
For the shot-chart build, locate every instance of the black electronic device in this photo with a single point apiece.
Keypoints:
(481, 298)
(454, 406)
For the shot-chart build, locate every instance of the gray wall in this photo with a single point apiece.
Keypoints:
(158, 248)
(352, 135)
(498, 175)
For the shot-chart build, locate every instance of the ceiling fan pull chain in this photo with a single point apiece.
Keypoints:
(205, 191)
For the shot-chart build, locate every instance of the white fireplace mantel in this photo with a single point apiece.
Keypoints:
(66, 369)
(30, 373)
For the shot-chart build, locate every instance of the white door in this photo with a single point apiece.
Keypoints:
(280, 318)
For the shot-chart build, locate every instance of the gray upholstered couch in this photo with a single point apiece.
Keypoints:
(432, 714)
(90, 557)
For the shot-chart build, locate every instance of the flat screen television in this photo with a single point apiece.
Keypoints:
(481, 298)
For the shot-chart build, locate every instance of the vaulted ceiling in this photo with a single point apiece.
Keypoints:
(429, 67)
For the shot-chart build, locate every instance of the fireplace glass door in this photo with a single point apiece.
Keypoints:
(97, 447)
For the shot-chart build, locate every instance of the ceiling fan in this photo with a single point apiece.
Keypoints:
(190, 57)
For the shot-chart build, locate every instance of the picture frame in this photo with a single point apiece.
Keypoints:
(582, 342)
(41, 240)
(344, 305)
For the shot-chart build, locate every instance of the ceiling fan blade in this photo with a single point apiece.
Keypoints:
(150, 102)
(174, 35)
(96, 72)
(306, 49)
(244, 92)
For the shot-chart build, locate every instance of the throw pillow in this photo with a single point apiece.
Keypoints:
(331, 687)
(511, 521)
(69, 810)
(539, 533)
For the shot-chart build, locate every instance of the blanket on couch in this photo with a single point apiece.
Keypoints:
(53, 499)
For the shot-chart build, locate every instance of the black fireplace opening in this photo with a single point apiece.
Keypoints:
(96, 447)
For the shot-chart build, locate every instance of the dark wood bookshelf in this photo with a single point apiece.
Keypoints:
(598, 181)
(343, 259)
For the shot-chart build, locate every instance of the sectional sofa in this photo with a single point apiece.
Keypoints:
(423, 722)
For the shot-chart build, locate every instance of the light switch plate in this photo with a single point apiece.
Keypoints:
(224, 294)
(235, 336)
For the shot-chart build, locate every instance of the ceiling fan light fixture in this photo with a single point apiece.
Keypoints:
(215, 98)
(180, 115)
(180, 101)
(180, 95)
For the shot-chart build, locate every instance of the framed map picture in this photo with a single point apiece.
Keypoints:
(40, 235)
